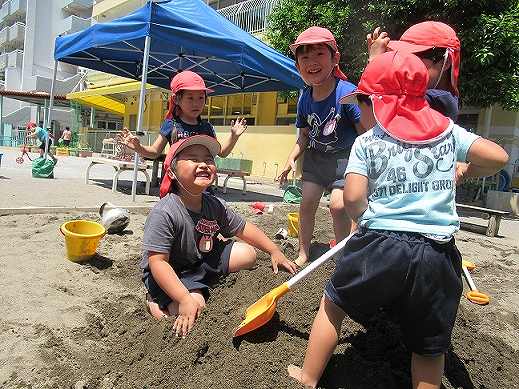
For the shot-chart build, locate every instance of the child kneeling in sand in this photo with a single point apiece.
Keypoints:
(182, 253)
(401, 191)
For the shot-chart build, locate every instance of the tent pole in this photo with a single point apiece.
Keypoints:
(51, 103)
(144, 78)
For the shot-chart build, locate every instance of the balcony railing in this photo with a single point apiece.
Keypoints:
(4, 11)
(17, 8)
(4, 36)
(74, 24)
(16, 33)
(3, 61)
(15, 58)
(77, 5)
(250, 15)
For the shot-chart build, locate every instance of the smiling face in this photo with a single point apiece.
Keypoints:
(315, 63)
(191, 104)
(195, 168)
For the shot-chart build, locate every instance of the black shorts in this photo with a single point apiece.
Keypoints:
(415, 278)
(66, 142)
(42, 145)
(325, 169)
(201, 278)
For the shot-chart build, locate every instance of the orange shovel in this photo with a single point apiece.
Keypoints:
(259, 313)
(474, 295)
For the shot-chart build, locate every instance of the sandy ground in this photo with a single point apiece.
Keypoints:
(68, 325)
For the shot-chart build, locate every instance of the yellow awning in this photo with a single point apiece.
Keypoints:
(97, 97)
(103, 103)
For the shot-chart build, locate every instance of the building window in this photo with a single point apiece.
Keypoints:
(285, 121)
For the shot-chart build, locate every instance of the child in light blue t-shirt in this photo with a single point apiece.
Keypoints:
(401, 179)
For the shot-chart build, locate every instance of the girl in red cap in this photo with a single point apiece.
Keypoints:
(401, 191)
(327, 131)
(183, 255)
(186, 103)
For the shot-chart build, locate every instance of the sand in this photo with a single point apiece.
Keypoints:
(68, 325)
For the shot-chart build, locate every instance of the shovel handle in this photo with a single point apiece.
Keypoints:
(469, 279)
(318, 262)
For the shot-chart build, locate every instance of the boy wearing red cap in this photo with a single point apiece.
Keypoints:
(183, 255)
(438, 46)
(186, 103)
(35, 132)
(401, 192)
(327, 132)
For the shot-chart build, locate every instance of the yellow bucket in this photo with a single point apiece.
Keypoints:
(81, 238)
(293, 224)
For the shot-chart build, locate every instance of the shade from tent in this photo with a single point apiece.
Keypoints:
(184, 34)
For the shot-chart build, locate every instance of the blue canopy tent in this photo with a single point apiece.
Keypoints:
(158, 40)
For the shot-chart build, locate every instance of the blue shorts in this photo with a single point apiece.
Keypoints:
(325, 169)
(200, 278)
(416, 279)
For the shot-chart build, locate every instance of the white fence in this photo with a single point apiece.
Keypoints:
(250, 15)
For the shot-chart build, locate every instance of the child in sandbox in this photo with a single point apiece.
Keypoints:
(403, 258)
(182, 252)
(327, 132)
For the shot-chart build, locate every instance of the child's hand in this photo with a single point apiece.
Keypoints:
(461, 169)
(377, 43)
(238, 127)
(128, 139)
(278, 259)
(289, 166)
(188, 312)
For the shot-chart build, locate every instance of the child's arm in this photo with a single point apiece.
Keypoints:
(257, 238)
(485, 159)
(299, 147)
(237, 128)
(167, 279)
(355, 195)
(134, 144)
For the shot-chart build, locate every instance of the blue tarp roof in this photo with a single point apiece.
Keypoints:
(185, 34)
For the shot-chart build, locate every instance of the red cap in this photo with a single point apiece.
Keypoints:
(428, 35)
(208, 141)
(185, 80)
(315, 36)
(396, 82)
(30, 125)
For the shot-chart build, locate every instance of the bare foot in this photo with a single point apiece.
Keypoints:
(296, 373)
(301, 260)
(154, 309)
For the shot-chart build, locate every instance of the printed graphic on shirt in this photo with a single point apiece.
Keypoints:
(323, 134)
(208, 228)
(400, 168)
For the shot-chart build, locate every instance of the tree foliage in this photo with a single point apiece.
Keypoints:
(488, 30)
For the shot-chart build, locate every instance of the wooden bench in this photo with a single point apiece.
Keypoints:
(119, 167)
(233, 173)
(494, 219)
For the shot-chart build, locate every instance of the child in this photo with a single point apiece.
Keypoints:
(327, 131)
(182, 253)
(34, 132)
(187, 101)
(400, 177)
(439, 48)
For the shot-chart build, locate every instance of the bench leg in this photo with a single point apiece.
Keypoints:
(224, 190)
(493, 225)
(87, 176)
(147, 190)
(116, 177)
(244, 190)
(155, 174)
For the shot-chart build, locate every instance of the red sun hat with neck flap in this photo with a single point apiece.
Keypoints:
(428, 35)
(185, 80)
(204, 140)
(315, 36)
(396, 83)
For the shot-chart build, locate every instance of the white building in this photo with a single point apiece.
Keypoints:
(28, 29)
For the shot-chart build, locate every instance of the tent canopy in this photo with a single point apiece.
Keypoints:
(184, 34)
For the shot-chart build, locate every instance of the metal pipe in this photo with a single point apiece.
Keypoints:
(51, 103)
(144, 77)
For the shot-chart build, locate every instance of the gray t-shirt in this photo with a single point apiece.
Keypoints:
(187, 236)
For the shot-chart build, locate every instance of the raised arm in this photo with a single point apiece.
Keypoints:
(238, 127)
(133, 142)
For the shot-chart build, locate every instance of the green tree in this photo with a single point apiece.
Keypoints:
(488, 30)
